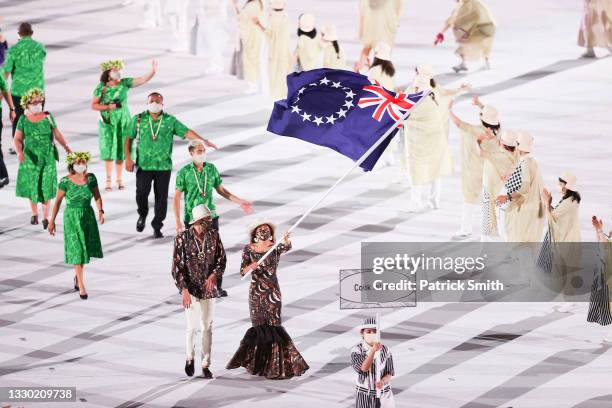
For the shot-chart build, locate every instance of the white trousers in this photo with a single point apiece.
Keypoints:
(467, 217)
(432, 193)
(200, 314)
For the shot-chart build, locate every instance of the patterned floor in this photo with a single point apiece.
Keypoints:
(124, 346)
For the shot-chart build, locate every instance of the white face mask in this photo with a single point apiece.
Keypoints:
(115, 75)
(35, 108)
(199, 158)
(371, 338)
(79, 168)
(155, 107)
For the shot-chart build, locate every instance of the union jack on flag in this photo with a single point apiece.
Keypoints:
(395, 105)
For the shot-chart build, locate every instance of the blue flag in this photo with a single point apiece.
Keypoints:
(342, 110)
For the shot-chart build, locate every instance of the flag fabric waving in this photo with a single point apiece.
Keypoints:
(342, 110)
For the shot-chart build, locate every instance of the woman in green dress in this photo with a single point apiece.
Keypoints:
(81, 235)
(110, 99)
(37, 154)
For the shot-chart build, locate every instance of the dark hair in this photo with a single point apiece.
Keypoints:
(574, 195)
(494, 128)
(105, 76)
(311, 34)
(155, 94)
(191, 147)
(336, 48)
(25, 29)
(255, 230)
(386, 66)
(509, 148)
(432, 83)
(71, 168)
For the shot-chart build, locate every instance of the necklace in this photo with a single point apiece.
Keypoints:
(197, 178)
(154, 134)
(200, 248)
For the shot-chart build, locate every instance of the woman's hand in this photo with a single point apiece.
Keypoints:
(211, 283)
(597, 224)
(209, 143)
(286, 237)
(67, 149)
(111, 106)
(51, 228)
(186, 299)
(380, 384)
(249, 268)
(546, 197)
(20, 157)
(501, 200)
(246, 206)
(12, 115)
(101, 218)
(153, 67)
(179, 227)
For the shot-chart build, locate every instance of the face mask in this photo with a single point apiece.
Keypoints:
(371, 338)
(263, 234)
(155, 107)
(35, 108)
(199, 158)
(80, 168)
(116, 75)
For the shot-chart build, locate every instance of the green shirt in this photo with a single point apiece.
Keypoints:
(187, 181)
(155, 153)
(25, 61)
(3, 88)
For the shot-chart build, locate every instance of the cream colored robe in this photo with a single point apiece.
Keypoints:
(279, 53)
(309, 52)
(596, 24)
(472, 163)
(474, 29)
(525, 214)
(498, 164)
(379, 21)
(376, 74)
(251, 37)
(564, 227)
(428, 153)
(564, 223)
(333, 60)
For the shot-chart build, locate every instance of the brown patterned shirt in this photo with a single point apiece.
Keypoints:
(194, 261)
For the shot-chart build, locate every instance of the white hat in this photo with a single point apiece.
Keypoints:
(277, 4)
(307, 22)
(570, 180)
(200, 212)
(425, 69)
(368, 323)
(383, 51)
(525, 142)
(423, 82)
(259, 222)
(508, 138)
(489, 115)
(329, 33)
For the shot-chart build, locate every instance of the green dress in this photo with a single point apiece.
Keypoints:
(81, 235)
(37, 175)
(114, 124)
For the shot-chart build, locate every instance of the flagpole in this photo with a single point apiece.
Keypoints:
(355, 165)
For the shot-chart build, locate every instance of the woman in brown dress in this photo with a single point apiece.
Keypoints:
(266, 349)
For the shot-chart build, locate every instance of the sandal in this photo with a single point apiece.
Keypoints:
(120, 185)
(108, 185)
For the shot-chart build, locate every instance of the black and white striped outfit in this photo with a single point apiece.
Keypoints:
(485, 225)
(366, 382)
(599, 307)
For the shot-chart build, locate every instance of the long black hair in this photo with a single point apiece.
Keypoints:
(105, 77)
(494, 128)
(336, 48)
(574, 195)
(310, 34)
(387, 67)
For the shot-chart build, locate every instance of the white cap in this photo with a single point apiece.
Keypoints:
(307, 22)
(508, 138)
(489, 115)
(425, 69)
(525, 142)
(277, 4)
(422, 82)
(259, 222)
(570, 180)
(329, 33)
(383, 51)
(199, 212)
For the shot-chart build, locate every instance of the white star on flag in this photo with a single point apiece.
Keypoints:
(336, 85)
(350, 94)
(348, 104)
(330, 119)
(305, 117)
(341, 113)
(295, 109)
(301, 90)
(325, 81)
(318, 120)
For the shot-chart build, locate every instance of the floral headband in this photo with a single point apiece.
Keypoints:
(31, 94)
(112, 64)
(74, 157)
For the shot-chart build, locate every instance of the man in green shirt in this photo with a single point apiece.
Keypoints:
(154, 131)
(24, 65)
(4, 179)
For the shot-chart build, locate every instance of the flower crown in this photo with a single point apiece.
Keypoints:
(112, 64)
(31, 94)
(74, 157)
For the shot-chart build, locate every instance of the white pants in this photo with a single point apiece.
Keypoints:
(432, 193)
(153, 13)
(202, 311)
(467, 217)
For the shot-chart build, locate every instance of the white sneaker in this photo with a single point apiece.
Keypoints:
(435, 204)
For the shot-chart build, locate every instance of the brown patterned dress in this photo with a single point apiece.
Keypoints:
(267, 349)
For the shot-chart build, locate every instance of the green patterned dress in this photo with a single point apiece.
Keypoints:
(114, 124)
(37, 175)
(81, 235)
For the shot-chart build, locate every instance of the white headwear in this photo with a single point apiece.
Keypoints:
(307, 22)
(570, 180)
(508, 138)
(259, 222)
(199, 212)
(423, 82)
(489, 115)
(425, 69)
(368, 323)
(525, 142)
(329, 33)
(277, 4)
(383, 51)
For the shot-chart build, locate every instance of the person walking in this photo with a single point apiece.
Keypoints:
(279, 53)
(595, 27)
(378, 22)
(309, 47)
(4, 90)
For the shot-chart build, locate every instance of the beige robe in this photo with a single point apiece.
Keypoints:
(251, 37)
(472, 163)
(564, 228)
(376, 74)
(498, 164)
(596, 24)
(379, 21)
(525, 214)
(428, 153)
(279, 53)
(309, 52)
(333, 60)
(474, 29)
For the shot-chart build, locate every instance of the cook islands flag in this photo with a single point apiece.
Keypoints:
(342, 110)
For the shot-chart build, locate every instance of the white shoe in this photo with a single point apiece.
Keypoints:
(414, 207)
(462, 234)
(590, 53)
(435, 204)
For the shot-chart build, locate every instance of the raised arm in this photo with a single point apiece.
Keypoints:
(193, 135)
(246, 206)
(145, 78)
